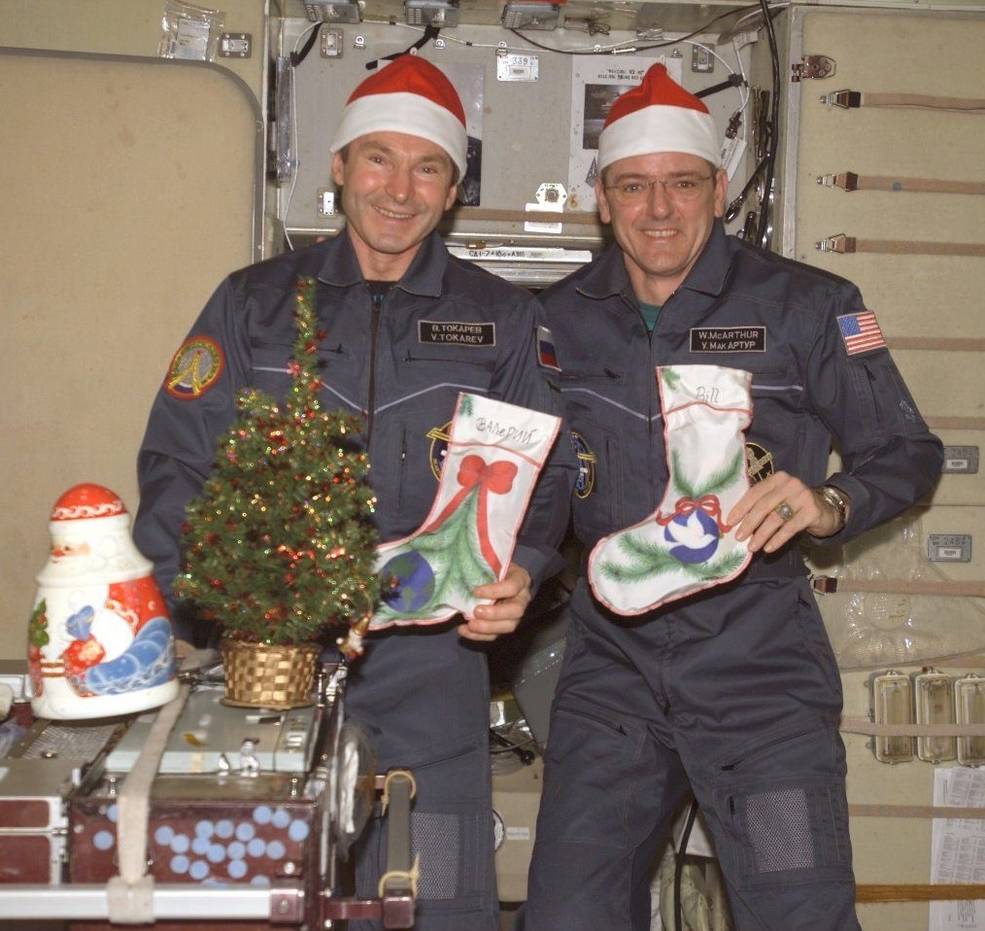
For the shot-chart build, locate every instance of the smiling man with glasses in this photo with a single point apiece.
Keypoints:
(730, 693)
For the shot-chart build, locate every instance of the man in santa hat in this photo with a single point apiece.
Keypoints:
(731, 694)
(387, 291)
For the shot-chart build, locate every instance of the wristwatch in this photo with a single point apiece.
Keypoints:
(838, 500)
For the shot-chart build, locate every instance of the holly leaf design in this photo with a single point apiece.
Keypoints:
(715, 484)
(450, 557)
(671, 378)
(646, 558)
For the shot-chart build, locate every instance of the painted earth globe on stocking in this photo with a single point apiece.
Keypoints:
(408, 582)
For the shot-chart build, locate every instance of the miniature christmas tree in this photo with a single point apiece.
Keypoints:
(279, 546)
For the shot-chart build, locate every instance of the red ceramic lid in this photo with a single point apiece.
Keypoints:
(85, 501)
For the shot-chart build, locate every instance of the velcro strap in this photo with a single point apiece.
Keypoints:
(844, 245)
(130, 903)
(849, 181)
(826, 584)
(850, 100)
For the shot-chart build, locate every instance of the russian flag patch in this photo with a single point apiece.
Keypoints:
(546, 354)
(861, 332)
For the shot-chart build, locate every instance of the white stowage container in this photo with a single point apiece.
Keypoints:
(100, 640)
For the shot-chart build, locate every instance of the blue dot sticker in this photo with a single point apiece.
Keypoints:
(256, 847)
(179, 865)
(245, 831)
(262, 814)
(103, 840)
(236, 869)
(298, 830)
(224, 829)
(281, 818)
(198, 870)
(163, 835)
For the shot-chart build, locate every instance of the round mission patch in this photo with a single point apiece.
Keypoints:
(759, 462)
(439, 437)
(195, 368)
(585, 482)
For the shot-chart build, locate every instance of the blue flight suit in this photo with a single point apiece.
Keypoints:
(421, 693)
(733, 693)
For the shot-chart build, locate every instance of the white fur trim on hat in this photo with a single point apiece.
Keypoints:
(403, 112)
(660, 128)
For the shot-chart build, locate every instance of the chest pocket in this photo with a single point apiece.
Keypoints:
(413, 423)
(599, 432)
(776, 433)
(458, 369)
(270, 372)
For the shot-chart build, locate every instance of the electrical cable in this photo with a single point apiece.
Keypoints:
(431, 32)
(735, 205)
(623, 47)
(733, 80)
(295, 60)
(679, 865)
(298, 57)
(774, 129)
(743, 90)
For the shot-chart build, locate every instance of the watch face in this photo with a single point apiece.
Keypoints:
(499, 830)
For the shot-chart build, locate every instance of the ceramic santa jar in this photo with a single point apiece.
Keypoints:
(100, 640)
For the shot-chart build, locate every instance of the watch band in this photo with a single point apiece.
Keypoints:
(838, 500)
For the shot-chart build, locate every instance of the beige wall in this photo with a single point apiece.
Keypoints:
(122, 27)
(128, 192)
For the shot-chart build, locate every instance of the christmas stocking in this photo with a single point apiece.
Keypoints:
(494, 456)
(685, 546)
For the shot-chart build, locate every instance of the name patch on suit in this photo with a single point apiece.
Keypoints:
(454, 333)
(728, 339)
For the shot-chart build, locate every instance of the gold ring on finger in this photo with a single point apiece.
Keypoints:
(784, 511)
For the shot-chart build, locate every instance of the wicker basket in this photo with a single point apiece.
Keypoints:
(262, 676)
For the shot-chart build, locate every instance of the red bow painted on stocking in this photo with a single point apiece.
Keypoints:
(684, 507)
(495, 477)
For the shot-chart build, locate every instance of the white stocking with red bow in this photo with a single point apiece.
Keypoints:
(495, 453)
(685, 546)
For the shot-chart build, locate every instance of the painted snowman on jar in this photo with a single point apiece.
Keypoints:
(100, 640)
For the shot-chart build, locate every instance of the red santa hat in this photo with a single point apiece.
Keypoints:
(658, 116)
(410, 95)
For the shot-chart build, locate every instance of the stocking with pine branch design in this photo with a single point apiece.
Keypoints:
(495, 454)
(685, 546)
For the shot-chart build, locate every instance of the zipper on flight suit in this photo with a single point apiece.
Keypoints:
(374, 332)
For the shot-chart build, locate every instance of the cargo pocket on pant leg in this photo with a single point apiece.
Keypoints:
(791, 828)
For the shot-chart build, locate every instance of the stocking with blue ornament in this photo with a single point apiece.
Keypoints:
(495, 454)
(686, 545)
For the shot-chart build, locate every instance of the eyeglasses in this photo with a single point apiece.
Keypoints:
(636, 190)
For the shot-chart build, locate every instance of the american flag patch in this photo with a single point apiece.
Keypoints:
(861, 332)
(546, 354)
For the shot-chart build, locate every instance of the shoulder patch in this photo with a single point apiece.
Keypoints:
(195, 368)
(585, 482)
(546, 354)
(759, 462)
(861, 332)
(439, 437)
